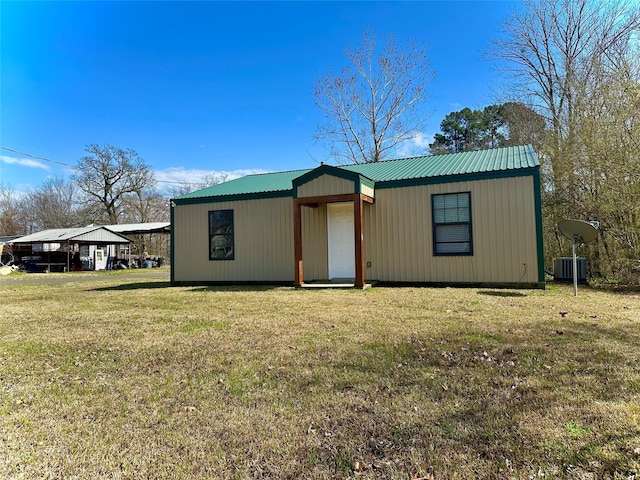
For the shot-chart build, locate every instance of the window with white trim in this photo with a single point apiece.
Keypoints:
(452, 224)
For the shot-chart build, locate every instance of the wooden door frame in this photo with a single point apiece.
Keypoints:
(358, 200)
(345, 209)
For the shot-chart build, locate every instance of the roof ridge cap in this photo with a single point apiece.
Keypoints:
(272, 173)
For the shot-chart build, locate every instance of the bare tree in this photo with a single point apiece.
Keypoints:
(107, 176)
(376, 102)
(212, 179)
(145, 206)
(12, 221)
(550, 46)
(608, 168)
(208, 180)
(53, 205)
(575, 62)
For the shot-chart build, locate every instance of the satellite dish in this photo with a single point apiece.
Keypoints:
(585, 231)
(579, 232)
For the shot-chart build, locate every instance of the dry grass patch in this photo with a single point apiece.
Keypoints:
(131, 378)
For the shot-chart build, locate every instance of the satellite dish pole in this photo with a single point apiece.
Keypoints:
(579, 232)
(576, 241)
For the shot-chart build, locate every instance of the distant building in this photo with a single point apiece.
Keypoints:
(93, 247)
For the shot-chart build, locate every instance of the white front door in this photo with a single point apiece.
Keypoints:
(100, 259)
(341, 240)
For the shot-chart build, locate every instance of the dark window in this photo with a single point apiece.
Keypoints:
(452, 224)
(221, 235)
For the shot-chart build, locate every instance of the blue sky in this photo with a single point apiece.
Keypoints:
(201, 87)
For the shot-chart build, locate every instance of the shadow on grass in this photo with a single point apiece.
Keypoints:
(133, 286)
(624, 289)
(602, 285)
(211, 288)
(501, 293)
(235, 288)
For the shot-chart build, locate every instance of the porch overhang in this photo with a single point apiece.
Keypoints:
(358, 199)
(329, 180)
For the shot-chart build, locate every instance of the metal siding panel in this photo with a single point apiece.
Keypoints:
(414, 217)
(372, 241)
(326, 185)
(390, 243)
(507, 206)
(267, 254)
(392, 236)
(399, 234)
(314, 243)
(388, 236)
(506, 224)
(263, 242)
(396, 235)
(485, 228)
(527, 218)
(369, 240)
(186, 244)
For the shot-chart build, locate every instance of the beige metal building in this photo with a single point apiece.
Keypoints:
(470, 218)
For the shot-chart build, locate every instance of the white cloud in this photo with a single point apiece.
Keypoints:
(24, 162)
(418, 145)
(422, 140)
(194, 176)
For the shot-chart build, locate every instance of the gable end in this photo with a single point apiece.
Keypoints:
(329, 180)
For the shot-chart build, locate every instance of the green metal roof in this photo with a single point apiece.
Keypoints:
(498, 160)
(259, 183)
(480, 161)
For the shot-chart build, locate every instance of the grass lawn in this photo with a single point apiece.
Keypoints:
(127, 377)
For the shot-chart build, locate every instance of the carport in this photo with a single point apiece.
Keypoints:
(59, 240)
(141, 234)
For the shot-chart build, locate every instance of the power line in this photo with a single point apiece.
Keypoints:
(75, 167)
(37, 157)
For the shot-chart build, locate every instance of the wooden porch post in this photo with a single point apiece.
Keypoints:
(297, 243)
(359, 253)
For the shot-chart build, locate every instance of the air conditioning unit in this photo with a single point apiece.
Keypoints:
(563, 269)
